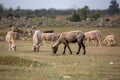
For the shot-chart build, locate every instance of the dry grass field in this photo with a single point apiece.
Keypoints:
(100, 63)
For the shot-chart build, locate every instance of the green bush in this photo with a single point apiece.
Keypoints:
(95, 15)
(75, 17)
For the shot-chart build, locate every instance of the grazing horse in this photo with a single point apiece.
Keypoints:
(93, 35)
(10, 38)
(48, 37)
(36, 40)
(110, 40)
(70, 37)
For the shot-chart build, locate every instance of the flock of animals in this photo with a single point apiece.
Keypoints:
(63, 38)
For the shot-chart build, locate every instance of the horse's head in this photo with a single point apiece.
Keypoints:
(35, 48)
(54, 48)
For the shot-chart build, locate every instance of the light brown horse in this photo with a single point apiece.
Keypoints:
(70, 37)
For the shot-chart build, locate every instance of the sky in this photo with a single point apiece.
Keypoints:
(57, 4)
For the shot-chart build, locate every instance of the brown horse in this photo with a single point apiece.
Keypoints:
(70, 37)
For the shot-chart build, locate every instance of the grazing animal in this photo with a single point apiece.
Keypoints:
(109, 40)
(70, 37)
(10, 38)
(49, 31)
(93, 35)
(36, 40)
(48, 37)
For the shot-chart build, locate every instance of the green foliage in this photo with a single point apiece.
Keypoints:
(84, 12)
(31, 16)
(52, 16)
(1, 10)
(75, 17)
(95, 15)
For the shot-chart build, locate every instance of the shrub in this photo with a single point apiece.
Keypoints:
(75, 17)
(95, 15)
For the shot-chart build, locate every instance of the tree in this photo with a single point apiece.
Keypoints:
(18, 8)
(10, 15)
(1, 10)
(52, 12)
(84, 12)
(113, 7)
(95, 15)
(75, 17)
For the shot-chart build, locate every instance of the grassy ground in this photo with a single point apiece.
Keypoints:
(100, 63)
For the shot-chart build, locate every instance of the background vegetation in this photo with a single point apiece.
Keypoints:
(84, 12)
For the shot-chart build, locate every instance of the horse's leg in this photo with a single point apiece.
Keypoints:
(79, 44)
(44, 43)
(14, 47)
(69, 48)
(38, 48)
(83, 46)
(99, 43)
(96, 43)
(88, 40)
(64, 49)
(9, 46)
